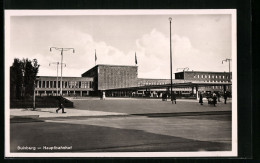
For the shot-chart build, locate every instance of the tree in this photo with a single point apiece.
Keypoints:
(22, 77)
(16, 79)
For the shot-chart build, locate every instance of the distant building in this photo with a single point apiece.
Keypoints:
(71, 86)
(206, 77)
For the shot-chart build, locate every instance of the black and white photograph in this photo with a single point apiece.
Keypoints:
(121, 83)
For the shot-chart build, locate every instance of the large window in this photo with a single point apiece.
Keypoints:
(43, 84)
(40, 84)
(47, 84)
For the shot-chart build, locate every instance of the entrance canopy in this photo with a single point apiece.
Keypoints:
(174, 85)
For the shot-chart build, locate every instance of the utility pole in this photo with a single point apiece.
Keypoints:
(228, 60)
(57, 63)
(62, 50)
(170, 19)
(34, 86)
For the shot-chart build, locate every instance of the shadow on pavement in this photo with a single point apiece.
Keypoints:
(90, 138)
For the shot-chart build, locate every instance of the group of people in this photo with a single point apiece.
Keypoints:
(213, 98)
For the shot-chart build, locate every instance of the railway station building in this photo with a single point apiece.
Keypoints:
(122, 80)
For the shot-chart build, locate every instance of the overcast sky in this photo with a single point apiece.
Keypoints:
(199, 42)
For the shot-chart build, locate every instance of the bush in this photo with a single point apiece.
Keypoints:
(40, 102)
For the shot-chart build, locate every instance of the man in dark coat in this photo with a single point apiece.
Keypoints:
(214, 99)
(61, 105)
(201, 99)
(173, 98)
(225, 97)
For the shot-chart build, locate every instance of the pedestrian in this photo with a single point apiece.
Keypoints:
(104, 95)
(214, 99)
(164, 96)
(201, 99)
(218, 95)
(173, 98)
(61, 105)
(225, 97)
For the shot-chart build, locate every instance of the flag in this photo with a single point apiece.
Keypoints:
(95, 56)
(135, 58)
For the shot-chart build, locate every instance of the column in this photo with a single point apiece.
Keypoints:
(80, 93)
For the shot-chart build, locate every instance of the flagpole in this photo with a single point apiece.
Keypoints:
(95, 57)
(135, 59)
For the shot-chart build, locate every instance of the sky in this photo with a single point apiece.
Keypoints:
(199, 42)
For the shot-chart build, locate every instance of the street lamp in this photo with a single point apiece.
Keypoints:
(228, 60)
(34, 95)
(170, 19)
(62, 49)
(22, 92)
(57, 63)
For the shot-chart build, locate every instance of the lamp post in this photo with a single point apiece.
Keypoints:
(57, 63)
(22, 92)
(170, 19)
(34, 95)
(62, 50)
(228, 60)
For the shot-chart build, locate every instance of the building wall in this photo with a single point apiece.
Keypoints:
(92, 73)
(207, 76)
(203, 76)
(110, 77)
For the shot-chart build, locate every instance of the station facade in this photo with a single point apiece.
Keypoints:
(117, 80)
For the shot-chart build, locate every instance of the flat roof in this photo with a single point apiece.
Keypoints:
(201, 72)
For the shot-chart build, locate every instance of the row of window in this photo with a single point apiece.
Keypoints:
(212, 76)
(141, 84)
(65, 84)
(206, 81)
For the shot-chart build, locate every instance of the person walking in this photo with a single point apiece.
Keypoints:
(61, 105)
(173, 98)
(201, 99)
(225, 98)
(214, 99)
(218, 95)
(104, 95)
